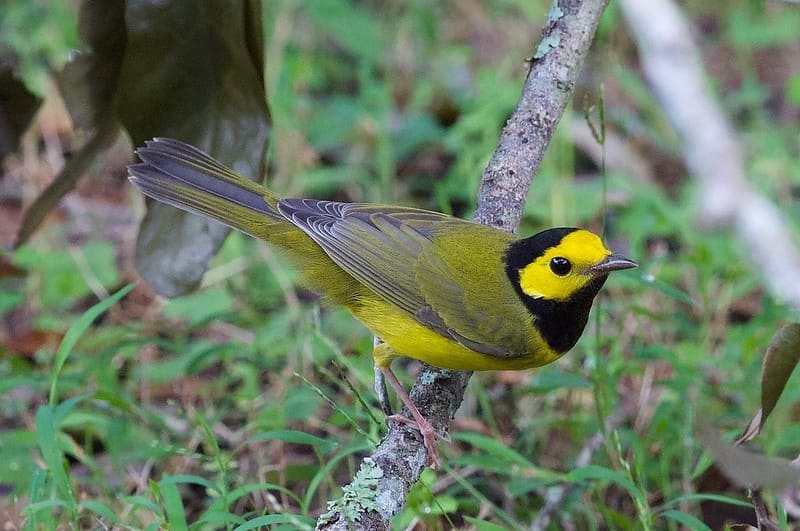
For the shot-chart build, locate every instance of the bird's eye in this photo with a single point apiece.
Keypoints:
(560, 266)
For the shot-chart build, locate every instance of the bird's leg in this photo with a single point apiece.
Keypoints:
(380, 385)
(380, 390)
(429, 436)
(383, 355)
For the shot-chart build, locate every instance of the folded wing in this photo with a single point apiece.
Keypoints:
(422, 262)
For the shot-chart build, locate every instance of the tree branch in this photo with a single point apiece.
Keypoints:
(554, 69)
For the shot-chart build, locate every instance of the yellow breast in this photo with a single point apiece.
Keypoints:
(407, 337)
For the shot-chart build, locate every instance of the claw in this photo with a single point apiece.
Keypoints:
(430, 437)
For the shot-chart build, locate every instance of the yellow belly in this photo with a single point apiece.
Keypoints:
(407, 337)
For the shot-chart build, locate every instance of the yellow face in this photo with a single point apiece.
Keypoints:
(562, 270)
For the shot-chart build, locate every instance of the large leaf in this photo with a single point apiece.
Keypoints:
(783, 354)
(193, 71)
(780, 360)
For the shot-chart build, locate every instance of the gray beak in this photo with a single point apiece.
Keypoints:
(614, 262)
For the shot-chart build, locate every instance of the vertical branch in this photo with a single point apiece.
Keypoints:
(554, 68)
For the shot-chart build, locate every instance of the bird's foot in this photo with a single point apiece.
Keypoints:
(430, 437)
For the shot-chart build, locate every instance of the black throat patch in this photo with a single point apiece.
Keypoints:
(561, 323)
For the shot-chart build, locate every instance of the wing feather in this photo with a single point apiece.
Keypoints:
(379, 245)
(477, 304)
(421, 262)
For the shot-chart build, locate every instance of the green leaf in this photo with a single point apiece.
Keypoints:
(38, 488)
(273, 519)
(219, 518)
(142, 502)
(33, 508)
(100, 258)
(749, 33)
(293, 436)
(793, 89)
(63, 409)
(100, 509)
(192, 71)
(494, 447)
(201, 306)
(595, 472)
(667, 289)
(550, 377)
(701, 497)
(173, 506)
(75, 332)
(115, 400)
(46, 438)
(481, 525)
(39, 494)
(686, 519)
(221, 503)
(16, 467)
(354, 28)
(782, 356)
(780, 360)
(188, 478)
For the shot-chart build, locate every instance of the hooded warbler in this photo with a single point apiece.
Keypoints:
(449, 292)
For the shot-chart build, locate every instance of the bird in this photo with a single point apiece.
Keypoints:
(450, 292)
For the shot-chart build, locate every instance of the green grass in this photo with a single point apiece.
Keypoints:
(247, 405)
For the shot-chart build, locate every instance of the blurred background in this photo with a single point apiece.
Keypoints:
(239, 396)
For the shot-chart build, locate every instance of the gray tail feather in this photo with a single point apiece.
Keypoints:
(183, 176)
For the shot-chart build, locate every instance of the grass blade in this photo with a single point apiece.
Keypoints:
(46, 438)
(75, 332)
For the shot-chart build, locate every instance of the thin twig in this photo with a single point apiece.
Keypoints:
(763, 518)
